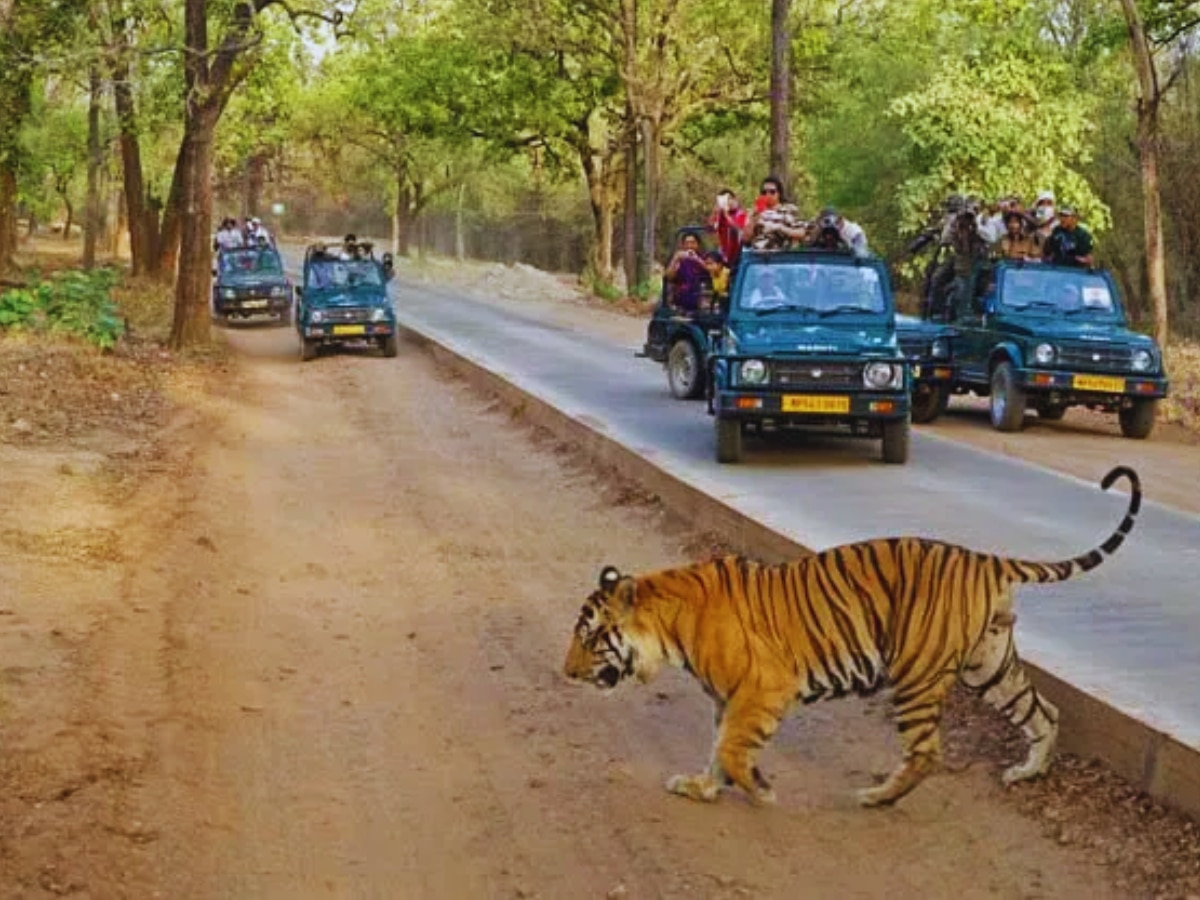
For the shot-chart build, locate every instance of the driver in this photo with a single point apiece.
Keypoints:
(766, 292)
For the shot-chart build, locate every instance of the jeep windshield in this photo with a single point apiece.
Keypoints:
(820, 289)
(250, 261)
(343, 274)
(1058, 292)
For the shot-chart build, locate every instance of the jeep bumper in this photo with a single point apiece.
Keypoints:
(1089, 387)
(811, 408)
(348, 332)
(251, 306)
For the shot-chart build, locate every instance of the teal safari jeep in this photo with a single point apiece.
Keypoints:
(927, 347)
(809, 341)
(1032, 335)
(250, 281)
(345, 301)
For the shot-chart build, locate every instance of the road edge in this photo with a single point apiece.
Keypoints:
(1147, 757)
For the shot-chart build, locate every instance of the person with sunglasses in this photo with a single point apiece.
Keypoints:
(774, 224)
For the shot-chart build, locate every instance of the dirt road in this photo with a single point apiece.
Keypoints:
(323, 661)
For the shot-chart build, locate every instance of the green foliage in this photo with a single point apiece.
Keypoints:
(994, 127)
(72, 302)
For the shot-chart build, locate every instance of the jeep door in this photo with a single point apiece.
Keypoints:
(972, 341)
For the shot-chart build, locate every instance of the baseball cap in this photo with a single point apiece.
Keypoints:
(1068, 210)
(1044, 197)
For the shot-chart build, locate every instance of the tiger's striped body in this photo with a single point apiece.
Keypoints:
(905, 612)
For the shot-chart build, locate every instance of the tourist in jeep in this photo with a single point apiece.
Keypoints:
(1017, 242)
(836, 232)
(728, 221)
(1069, 244)
(687, 274)
(774, 223)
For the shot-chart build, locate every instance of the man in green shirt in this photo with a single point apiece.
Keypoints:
(1069, 244)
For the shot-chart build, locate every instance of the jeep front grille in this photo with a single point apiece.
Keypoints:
(1095, 357)
(348, 314)
(831, 376)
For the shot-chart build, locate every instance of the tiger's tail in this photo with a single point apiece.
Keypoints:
(1042, 573)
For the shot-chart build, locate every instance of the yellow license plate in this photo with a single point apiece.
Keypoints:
(815, 403)
(349, 329)
(1098, 383)
(253, 304)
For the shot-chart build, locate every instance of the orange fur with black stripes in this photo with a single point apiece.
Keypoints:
(905, 612)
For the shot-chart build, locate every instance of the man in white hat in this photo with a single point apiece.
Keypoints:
(1045, 217)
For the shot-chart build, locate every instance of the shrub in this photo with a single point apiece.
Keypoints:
(71, 301)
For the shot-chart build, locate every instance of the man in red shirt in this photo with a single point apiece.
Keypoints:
(728, 220)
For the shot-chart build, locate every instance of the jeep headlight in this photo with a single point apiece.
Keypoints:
(1142, 360)
(379, 314)
(228, 294)
(1043, 354)
(317, 316)
(940, 348)
(752, 371)
(882, 375)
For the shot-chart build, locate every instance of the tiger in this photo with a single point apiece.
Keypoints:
(907, 613)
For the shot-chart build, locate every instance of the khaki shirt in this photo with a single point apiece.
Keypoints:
(1023, 247)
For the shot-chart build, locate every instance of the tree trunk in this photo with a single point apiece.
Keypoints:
(402, 215)
(14, 101)
(650, 152)
(255, 176)
(460, 239)
(95, 159)
(1148, 104)
(131, 168)
(70, 223)
(781, 91)
(168, 235)
(192, 324)
(629, 250)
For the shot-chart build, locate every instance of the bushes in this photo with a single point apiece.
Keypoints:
(68, 302)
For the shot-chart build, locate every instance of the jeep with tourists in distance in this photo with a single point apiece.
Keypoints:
(809, 341)
(1047, 337)
(250, 281)
(344, 300)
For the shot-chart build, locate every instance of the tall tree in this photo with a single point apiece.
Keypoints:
(781, 90)
(1175, 19)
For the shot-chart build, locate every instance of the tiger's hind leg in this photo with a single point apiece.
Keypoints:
(919, 720)
(994, 670)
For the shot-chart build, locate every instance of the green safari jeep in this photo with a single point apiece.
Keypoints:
(809, 340)
(1032, 335)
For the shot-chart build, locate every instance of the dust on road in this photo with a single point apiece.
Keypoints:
(331, 667)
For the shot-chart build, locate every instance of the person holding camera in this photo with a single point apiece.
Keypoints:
(687, 274)
(835, 232)
(728, 220)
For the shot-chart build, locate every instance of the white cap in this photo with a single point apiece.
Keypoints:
(1044, 197)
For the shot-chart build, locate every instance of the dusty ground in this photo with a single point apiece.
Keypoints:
(298, 634)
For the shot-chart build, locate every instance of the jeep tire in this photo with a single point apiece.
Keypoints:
(895, 441)
(685, 372)
(285, 315)
(1050, 413)
(928, 405)
(1007, 401)
(390, 346)
(729, 440)
(308, 349)
(1137, 421)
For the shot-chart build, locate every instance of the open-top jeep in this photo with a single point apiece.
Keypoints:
(250, 281)
(344, 300)
(927, 345)
(810, 340)
(1032, 335)
(678, 338)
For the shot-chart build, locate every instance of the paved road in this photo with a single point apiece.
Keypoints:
(1127, 633)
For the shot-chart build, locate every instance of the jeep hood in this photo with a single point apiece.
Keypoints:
(1067, 330)
(780, 337)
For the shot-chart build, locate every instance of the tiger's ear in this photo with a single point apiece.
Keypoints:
(609, 579)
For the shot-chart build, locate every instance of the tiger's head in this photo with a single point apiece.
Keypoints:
(604, 647)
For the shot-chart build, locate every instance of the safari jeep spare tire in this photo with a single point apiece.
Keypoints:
(685, 375)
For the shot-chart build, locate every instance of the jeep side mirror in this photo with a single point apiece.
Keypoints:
(389, 266)
(299, 292)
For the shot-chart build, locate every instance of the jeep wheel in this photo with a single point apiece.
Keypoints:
(895, 441)
(1007, 400)
(308, 349)
(927, 406)
(1050, 413)
(390, 346)
(285, 316)
(685, 377)
(1137, 421)
(729, 440)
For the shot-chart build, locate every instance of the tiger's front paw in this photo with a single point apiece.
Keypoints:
(696, 787)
